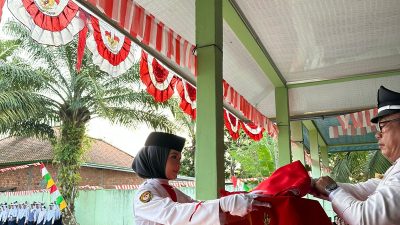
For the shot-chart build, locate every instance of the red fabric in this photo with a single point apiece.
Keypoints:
(53, 188)
(52, 23)
(170, 191)
(230, 121)
(252, 134)
(285, 210)
(81, 41)
(160, 74)
(291, 179)
(234, 181)
(1, 7)
(113, 59)
(188, 107)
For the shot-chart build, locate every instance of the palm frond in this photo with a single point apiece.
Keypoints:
(377, 163)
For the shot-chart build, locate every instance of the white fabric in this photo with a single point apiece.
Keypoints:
(13, 213)
(375, 202)
(162, 210)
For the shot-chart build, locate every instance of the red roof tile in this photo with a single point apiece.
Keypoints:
(19, 149)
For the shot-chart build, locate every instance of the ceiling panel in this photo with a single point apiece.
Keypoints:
(313, 40)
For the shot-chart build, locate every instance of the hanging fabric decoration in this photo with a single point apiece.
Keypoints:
(1, 7)
(53, 22)
(361, 124)
(187, 92)
(159, 81)
(53, 188)
(82, 40)
(234, 181)
(232, 123)
(253, 131)
(112, 51)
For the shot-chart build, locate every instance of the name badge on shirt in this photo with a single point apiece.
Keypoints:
(146, 196)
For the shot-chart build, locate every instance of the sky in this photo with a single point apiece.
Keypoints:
(129, 140)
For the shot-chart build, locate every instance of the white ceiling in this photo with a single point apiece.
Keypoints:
(308, 40)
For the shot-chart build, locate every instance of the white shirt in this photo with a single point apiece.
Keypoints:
(374, 202)
(13, 212)
(4, 215)
(50, 216)
(41, 216)
(153, 206)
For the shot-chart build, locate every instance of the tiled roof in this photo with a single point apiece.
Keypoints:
(19, 149)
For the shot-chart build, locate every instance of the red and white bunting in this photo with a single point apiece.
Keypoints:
(1, 7)
(149, 30)
(159, 81)
(155, 34)
(239, 102)
(361, 124)
(337, 131)
(233, 124)
(272, 129)
(187, 93)
(359, 119)
(112, 51)
(3, 170)
(50, 22)
(253, 131)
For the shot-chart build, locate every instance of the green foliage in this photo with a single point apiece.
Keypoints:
(354, 167)
(250, 158)
(40, 88)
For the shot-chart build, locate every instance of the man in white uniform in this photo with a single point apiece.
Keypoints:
(156, 202)
(376, 201)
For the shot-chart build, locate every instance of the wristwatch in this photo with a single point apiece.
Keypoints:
(331, 187)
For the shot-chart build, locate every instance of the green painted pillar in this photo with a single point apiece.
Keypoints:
(282, 119)
(297, 138)
(209, 123)
(314, 152)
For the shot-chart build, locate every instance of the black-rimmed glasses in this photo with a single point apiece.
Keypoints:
(382, 124)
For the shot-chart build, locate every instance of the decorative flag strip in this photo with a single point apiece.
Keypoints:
(50, 22)
(1, 7)
(112, 51)
(232, 124)
(361, 124)
(3, 170)
(187, 92)
(159, 81)
(149, 30)
(53, 188)
(253, 131)
(85, 17)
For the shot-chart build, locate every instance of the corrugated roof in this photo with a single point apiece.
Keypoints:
(21, 149)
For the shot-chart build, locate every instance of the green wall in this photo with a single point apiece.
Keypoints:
(105, 207)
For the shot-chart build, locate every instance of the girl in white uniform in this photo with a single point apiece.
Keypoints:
(156, 202)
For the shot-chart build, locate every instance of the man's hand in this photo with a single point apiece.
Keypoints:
(319, 187)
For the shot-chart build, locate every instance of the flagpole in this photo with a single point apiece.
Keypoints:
(72, 215)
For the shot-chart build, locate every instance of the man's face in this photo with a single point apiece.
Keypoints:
(389, 137)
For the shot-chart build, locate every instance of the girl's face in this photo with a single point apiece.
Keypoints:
(173, 164)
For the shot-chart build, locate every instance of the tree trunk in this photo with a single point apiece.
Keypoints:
(69, 151)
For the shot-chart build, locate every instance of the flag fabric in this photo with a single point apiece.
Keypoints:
(245, 187)
(55, 194)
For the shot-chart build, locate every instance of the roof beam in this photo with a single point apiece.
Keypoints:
(345, 79)
(310, 125)
(249, 39)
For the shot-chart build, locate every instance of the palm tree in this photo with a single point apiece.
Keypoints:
(41, 88)
(353, 167)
